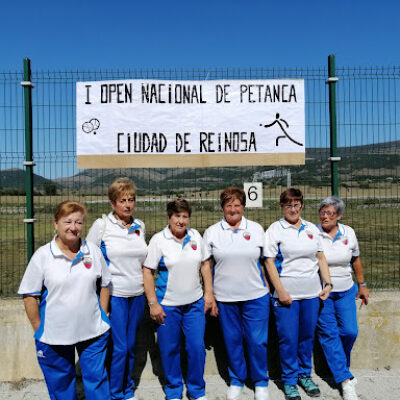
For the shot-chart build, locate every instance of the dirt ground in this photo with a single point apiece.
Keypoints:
(372, 385)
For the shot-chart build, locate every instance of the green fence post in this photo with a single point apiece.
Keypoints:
(334, 158)
(29, 164)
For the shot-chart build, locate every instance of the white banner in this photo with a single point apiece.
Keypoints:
(190, 123)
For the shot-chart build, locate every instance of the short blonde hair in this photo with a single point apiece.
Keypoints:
(68, 207)
(119, 187)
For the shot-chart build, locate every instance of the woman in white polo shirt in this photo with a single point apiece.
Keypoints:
(234, 248)
(176, 300)
(296, 265)
(337, 324)
(121, 238)
(65, 276)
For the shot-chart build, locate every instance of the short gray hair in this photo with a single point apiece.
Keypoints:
(334, 201)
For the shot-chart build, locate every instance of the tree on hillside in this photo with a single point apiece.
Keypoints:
(49, 188)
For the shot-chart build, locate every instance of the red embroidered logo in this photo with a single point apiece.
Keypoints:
(246, 235)
(87, 262)
(137, 232)
(193, 244)
(309, 234)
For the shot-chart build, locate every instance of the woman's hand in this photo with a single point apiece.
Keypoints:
(210, 304)
(326, 291)
(363, 293)
(157, 313)
(209, 299)
(284, 297)
(32, 310)
(283, 294)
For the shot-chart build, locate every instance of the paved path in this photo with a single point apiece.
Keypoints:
(372, 385)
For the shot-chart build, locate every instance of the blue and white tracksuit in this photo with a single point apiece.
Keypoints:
(295, 252)
(242, 295)
(337, 324)
(124, 250)
(70, 318)
(179, 292)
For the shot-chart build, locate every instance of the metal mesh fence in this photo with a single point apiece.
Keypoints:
(368, 140)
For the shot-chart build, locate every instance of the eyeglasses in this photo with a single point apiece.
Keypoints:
(296, 206)
(328, 213)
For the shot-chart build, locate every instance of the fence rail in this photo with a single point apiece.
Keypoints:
(367, 102)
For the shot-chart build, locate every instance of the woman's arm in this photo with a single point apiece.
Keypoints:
(263, 271)
(325, 276)
(156, 311)
(32, 310)
(104, 298)
(283, 294)
(363, 291)
(209, 299)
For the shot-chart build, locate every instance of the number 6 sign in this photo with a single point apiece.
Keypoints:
(254, 194)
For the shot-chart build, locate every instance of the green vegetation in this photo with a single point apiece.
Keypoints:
(375, 220)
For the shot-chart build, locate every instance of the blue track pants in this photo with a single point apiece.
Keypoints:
(296, 326)
(58, 366)
(246, 321)
(189, 320)
(337, 331)
(126, 315)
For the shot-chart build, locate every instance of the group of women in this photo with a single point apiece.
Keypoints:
(84, 287)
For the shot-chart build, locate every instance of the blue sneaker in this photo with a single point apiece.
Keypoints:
(291, 392)
(309, 386)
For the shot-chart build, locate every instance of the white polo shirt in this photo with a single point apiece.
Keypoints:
(295, 252)
(178, 281)
(125, 251)
(69, 307)
(236, 253)
(339, 252)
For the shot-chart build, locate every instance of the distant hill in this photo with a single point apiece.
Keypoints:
(15, 178)
(376, 161)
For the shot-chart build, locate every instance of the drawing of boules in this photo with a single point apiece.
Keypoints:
(91, 126)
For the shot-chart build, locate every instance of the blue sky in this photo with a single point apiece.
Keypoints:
(90, 35)
(122, 34)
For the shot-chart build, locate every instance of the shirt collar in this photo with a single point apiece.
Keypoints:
(341, 231)
(56, 251)
(168, 234)
(242, 225)
(135, 224)
(285, 224)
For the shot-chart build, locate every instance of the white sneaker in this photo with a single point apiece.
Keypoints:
(131, 398)
(261, 393)
(349, 390)
(234, 392)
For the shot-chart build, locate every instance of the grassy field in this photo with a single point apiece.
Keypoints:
(373, 215)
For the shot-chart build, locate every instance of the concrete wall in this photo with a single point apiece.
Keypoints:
(377, 345)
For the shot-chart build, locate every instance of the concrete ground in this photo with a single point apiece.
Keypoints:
(372, 385)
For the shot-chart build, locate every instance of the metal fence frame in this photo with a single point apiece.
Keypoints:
(351, 117)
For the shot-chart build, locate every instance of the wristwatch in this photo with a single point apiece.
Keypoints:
(328, 284)
(363, 284)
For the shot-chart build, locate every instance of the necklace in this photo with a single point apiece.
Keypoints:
(127, 223)
(123, 222)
